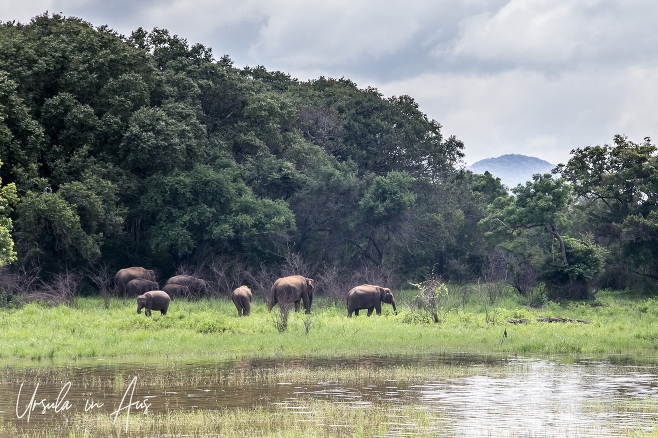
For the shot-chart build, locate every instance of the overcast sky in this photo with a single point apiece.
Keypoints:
(532, 77)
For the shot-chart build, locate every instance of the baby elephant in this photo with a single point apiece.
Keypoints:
(153, 300)
(138, 286)
(242, 299)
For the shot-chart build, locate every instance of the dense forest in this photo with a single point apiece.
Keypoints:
(147, 151)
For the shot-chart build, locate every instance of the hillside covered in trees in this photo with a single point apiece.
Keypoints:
(147, 151)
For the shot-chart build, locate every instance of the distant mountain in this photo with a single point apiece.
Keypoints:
(512, 169)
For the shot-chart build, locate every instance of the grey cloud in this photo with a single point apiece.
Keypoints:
(561, 34)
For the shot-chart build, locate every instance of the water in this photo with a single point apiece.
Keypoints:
(471, 395)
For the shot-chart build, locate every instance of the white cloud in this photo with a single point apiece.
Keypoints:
(24, 11)
(333, 33)
(558, 33)
(194, 21)
(533, 114)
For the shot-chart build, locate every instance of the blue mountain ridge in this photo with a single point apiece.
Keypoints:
(512, 169)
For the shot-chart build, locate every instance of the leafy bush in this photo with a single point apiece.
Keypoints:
(572, 281)
(432, 300)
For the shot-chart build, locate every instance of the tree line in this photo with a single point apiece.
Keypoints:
(147, 151)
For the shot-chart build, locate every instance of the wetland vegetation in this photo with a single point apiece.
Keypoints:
(409, 395)
(209, 328)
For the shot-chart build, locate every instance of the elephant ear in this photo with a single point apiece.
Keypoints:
(149, 298)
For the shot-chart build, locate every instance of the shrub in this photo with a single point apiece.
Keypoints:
(573, 281)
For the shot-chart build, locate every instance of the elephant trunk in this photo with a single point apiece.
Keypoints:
(393, 304)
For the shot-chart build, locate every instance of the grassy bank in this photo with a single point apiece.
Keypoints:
(619, 324)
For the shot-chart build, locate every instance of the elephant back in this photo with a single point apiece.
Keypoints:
(197, 287)
(138, 286)
(125, 275)
(242, 291)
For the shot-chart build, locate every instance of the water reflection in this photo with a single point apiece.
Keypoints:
(473, 395)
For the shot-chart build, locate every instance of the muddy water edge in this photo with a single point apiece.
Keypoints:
(430, 395)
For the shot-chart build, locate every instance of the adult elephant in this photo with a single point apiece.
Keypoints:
(292, 289)
(153, 300)
(197, 287)
(138, 286)
(123, 276)
(368, 296)
(242, 299)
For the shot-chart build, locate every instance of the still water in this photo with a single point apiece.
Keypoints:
(471, 395)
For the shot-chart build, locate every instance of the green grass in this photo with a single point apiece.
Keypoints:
(303, 418)
(620, 324)
(309, 418)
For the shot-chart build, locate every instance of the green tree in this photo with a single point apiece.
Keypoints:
(49, 233)
(71, 128)
(8, 198)
(209, 210)
(640, 244)
(572, 281)
(383, 209)
(380, 135)
(160, 140)
(541, 203)
(617, 189)
(21, 137)
(614, 181)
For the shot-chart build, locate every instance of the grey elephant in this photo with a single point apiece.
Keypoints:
(123, 276)
(368, 296)
(292, 289)
(176, 290)
(153, 300)
(242, 299)
(197, 287)
(138, 286)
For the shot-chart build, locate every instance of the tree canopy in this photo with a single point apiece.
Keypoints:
(146, 150)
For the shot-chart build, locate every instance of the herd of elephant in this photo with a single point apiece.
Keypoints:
(286, 290)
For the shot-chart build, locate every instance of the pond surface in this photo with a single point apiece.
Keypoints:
(471, 395)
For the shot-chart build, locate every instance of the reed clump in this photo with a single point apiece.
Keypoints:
(305, 418)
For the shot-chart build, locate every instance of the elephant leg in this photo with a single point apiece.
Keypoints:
(370, 309)
(356, 312)
(378, 308)
(307, 302)
(297, 306)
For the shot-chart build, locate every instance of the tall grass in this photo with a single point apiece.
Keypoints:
(308, 418)
(301, 418)
(211, 329)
